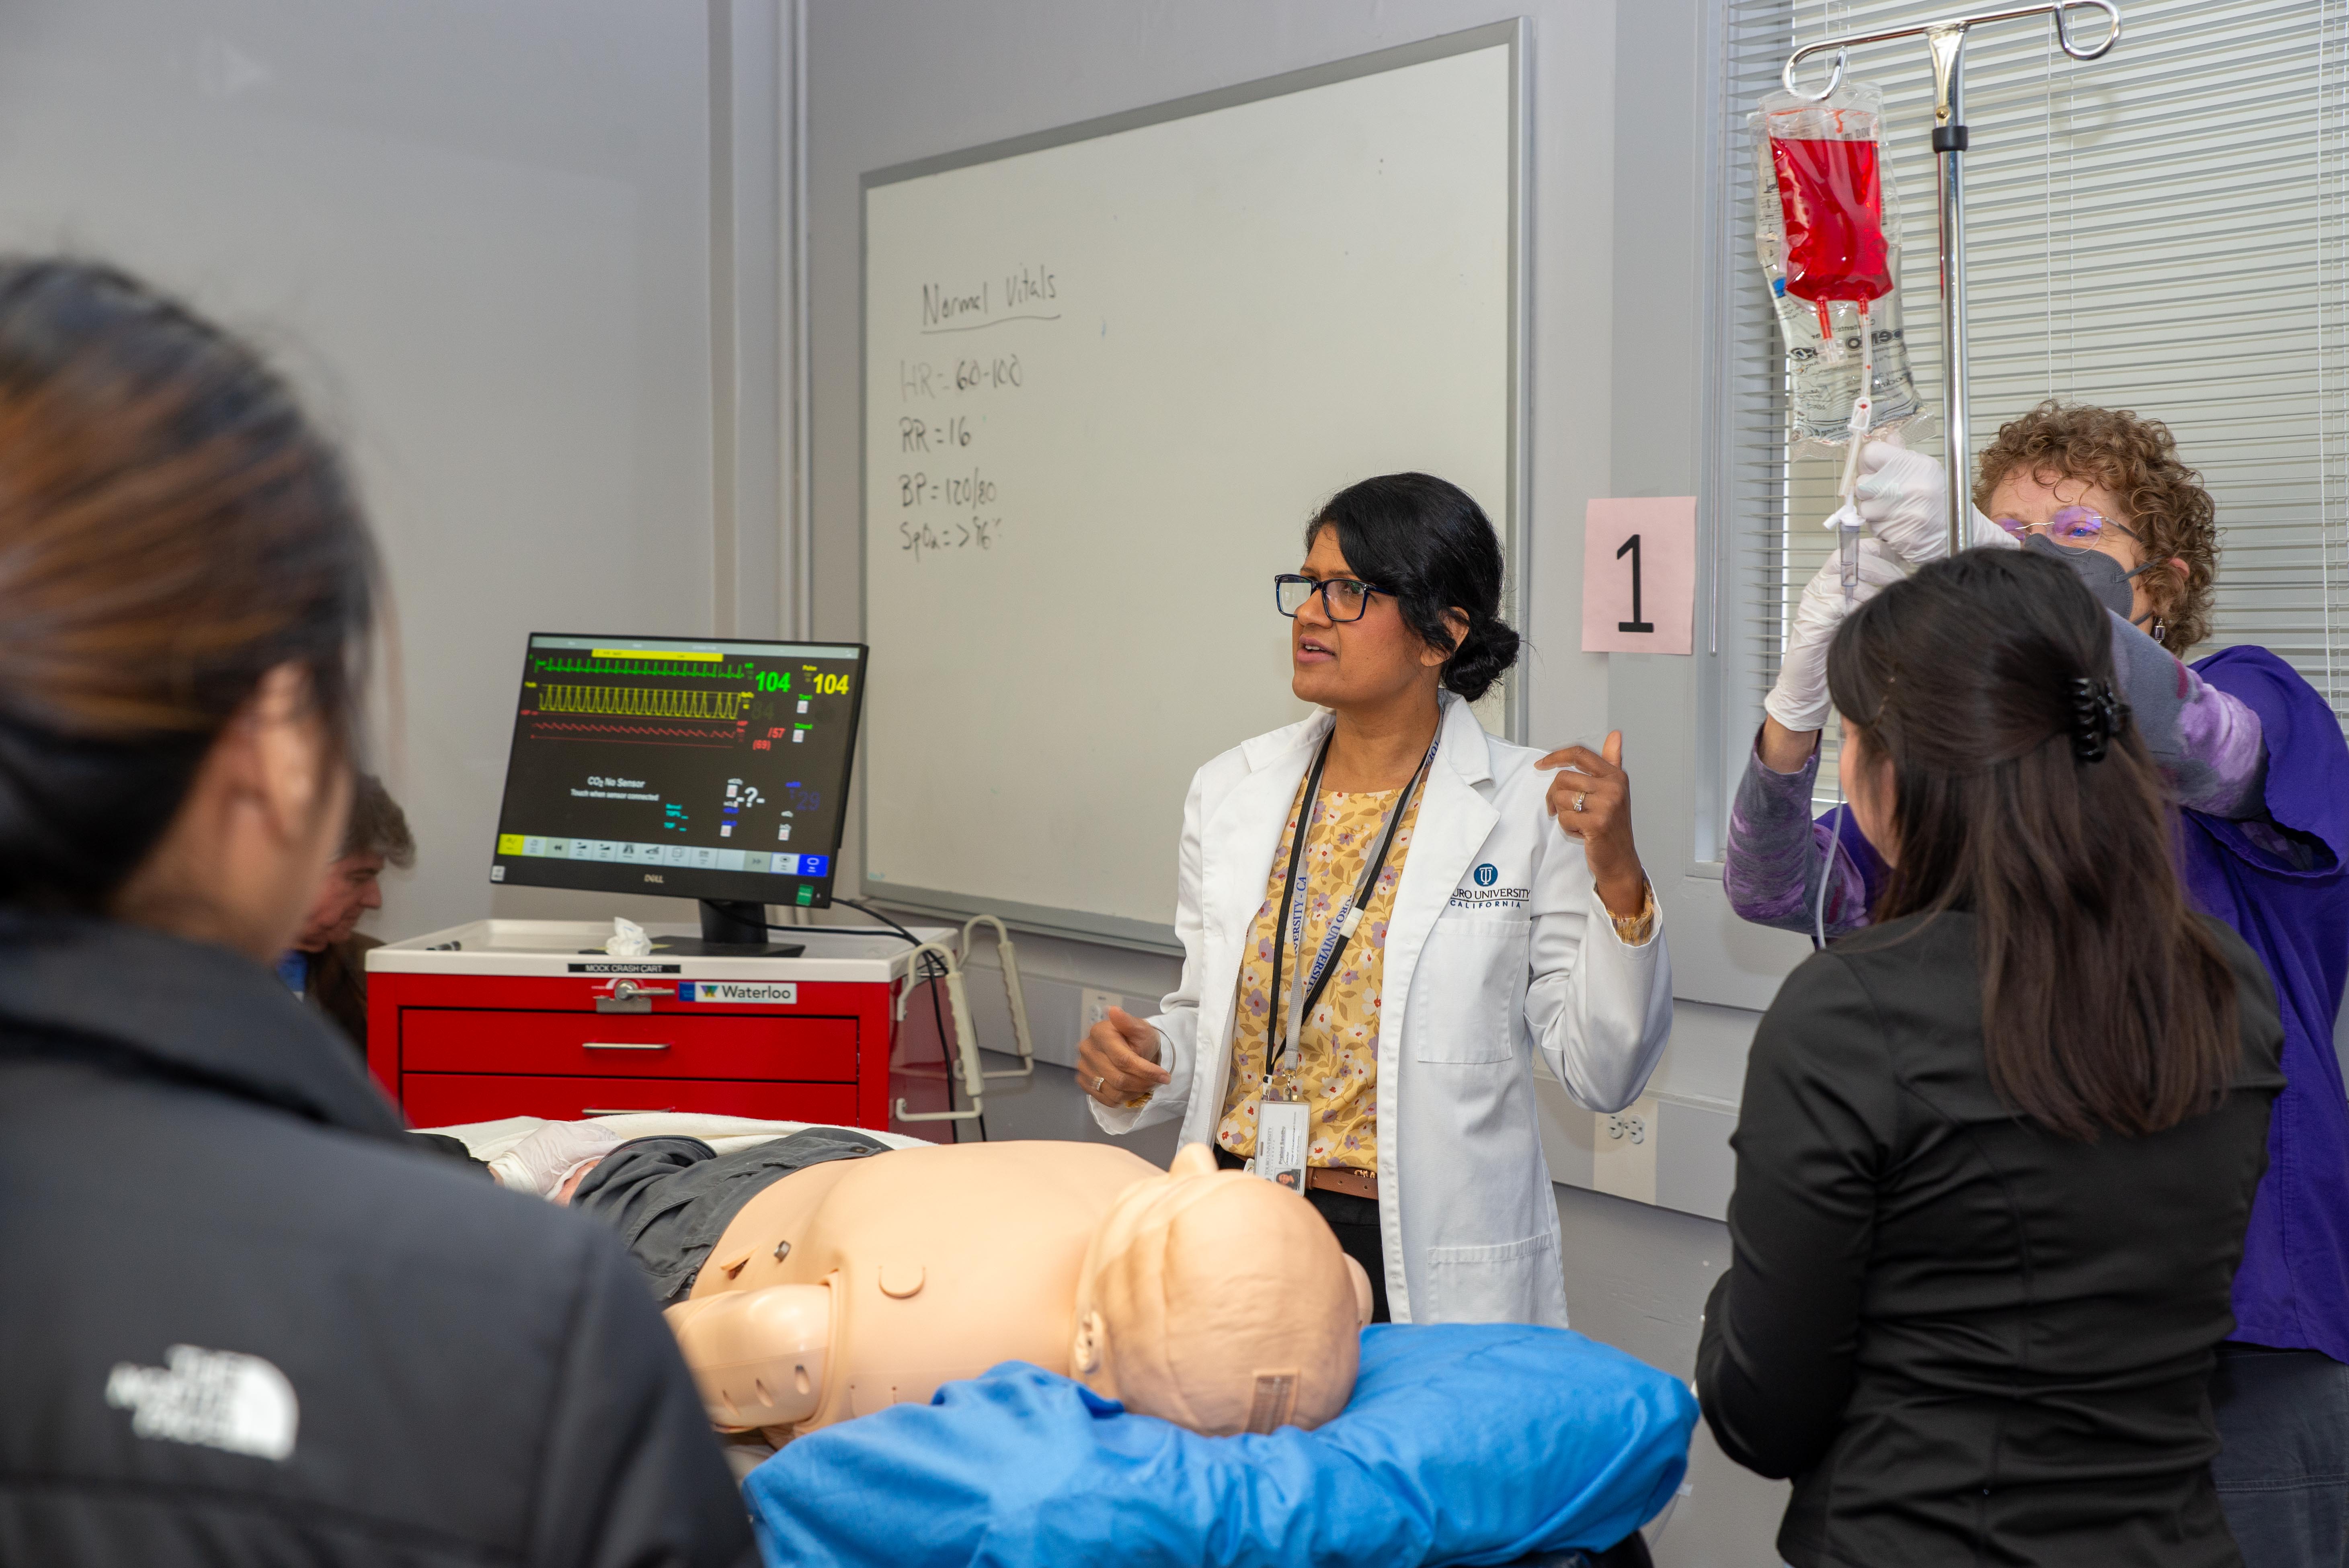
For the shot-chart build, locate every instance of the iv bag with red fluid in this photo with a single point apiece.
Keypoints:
(1832, 193)
(1827, 230)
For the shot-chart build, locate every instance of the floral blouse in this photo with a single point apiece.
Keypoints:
(1338, 1046)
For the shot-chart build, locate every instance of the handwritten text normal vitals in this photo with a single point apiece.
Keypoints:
(947, 500)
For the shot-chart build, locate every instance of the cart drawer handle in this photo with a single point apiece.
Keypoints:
(619, 1045)
(626, 1111)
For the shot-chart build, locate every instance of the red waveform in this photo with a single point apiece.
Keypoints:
(707, 736)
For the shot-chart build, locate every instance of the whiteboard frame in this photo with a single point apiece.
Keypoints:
(1119, 931)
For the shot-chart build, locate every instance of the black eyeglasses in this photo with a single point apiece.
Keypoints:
(1342, 598)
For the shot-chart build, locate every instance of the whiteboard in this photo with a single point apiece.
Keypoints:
(1109, 372)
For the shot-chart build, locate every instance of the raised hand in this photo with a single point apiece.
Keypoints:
(1591, 799)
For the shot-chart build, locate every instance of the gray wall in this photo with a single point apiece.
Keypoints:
(1613, 410)
(483, 238)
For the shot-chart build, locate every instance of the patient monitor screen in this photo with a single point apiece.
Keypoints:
(695, 768)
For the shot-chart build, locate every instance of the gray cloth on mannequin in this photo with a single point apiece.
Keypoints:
(671, 1198)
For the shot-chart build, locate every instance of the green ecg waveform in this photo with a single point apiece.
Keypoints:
(643, 702)
(588, 667)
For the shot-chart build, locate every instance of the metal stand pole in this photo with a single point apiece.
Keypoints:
(1949, 46)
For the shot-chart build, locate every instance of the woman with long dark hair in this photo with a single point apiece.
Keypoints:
(1998, 1149)
(245, 1319)
(1385, 912)
(2254, 758)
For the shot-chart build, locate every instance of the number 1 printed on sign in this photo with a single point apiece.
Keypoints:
(1635, 623)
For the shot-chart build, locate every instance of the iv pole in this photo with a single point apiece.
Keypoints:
(1947, 40)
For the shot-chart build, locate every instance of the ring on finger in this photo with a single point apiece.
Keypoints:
(1098, 1082)
(1580, 797)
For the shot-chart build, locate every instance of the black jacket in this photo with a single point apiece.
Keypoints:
(242, 1321)
(1968, 1340)
(337, 986)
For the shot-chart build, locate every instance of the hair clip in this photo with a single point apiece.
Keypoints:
(2097, 716)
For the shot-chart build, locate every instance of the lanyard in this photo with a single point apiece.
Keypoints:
(1289, 935)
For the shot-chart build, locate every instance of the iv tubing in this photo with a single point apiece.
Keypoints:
(1848, 541)
(1862, 418)
(1845, 517)
(1826, 871)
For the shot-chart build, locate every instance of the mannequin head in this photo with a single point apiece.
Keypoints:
(1220, 1302)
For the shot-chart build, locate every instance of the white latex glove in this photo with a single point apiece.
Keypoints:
(1799, 700)
(540, 1163)
(1903, 496)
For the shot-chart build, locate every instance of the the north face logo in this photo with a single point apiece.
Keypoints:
(215, 1398)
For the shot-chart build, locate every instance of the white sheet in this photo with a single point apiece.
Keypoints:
(488, 1140)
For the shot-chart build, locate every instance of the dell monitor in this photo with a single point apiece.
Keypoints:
(693, 767)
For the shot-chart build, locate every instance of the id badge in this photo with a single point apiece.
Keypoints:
(1281, 1129)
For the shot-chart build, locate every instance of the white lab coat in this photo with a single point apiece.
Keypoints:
(1498, 946)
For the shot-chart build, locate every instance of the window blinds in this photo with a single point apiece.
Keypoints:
(2163, 229)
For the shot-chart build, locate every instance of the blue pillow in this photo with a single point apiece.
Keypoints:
(1463, 1443)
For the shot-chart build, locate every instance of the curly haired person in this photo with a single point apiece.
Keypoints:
(2259, 774)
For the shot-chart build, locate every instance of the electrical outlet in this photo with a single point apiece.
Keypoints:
(1625, 1126)
(1092, 1006)
(1623, 1160)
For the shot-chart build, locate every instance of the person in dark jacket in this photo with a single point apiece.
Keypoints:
(242, 1318)
(1998, 1150)
(327, 964)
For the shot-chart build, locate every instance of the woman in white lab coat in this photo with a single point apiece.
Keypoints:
(1458, 903)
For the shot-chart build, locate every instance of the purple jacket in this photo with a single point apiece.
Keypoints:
(2283, 883)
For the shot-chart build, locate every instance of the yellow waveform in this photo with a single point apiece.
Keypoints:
(643, 701)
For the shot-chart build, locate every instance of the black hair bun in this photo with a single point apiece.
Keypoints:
(1425, 543)
(1489, 648)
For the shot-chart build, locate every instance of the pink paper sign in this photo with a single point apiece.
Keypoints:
(1639, 575)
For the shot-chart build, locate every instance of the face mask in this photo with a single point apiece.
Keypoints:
(2106, 577)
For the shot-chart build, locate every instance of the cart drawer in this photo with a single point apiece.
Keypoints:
(626, 1044)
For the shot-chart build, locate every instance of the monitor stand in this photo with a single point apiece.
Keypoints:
(729, 929)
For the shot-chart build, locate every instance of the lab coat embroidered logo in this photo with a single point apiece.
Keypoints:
(213, 1399)
(1483, 896)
